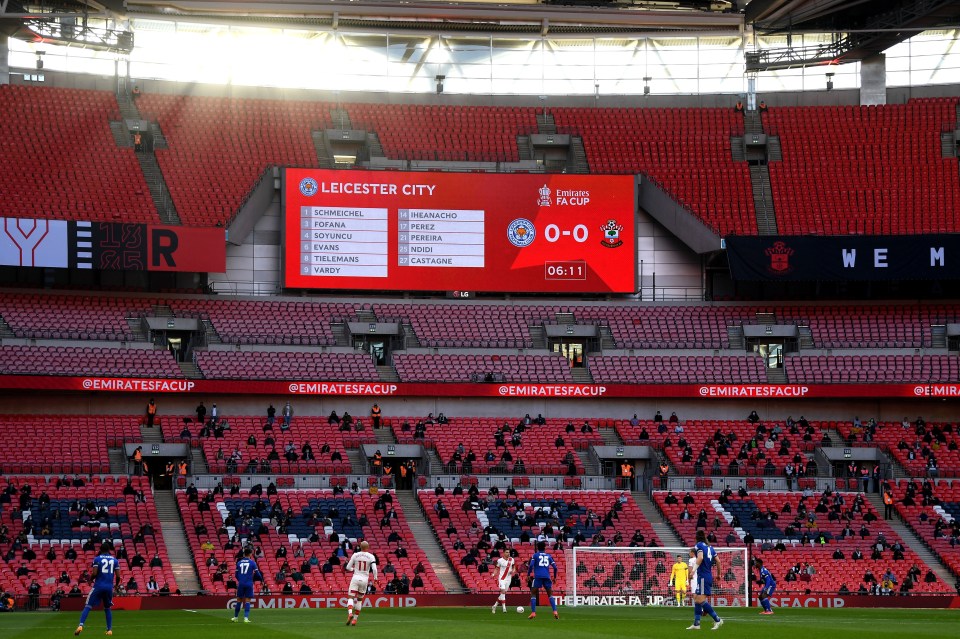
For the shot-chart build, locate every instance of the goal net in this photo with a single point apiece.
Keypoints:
(619, 576)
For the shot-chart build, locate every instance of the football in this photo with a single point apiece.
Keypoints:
(520, 609)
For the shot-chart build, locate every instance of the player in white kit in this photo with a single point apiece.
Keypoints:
(505, 570)
(362, 564)
(692, 562)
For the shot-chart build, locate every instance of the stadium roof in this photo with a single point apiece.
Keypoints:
(863, 27)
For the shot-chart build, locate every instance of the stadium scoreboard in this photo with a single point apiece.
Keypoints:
(428, 231)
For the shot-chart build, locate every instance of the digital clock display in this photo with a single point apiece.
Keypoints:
(570, 270)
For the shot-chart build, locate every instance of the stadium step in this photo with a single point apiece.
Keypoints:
(190, 370)
(136, 325)
(118, 461)
(581, 375)
(776, 375)
(434, 465)
(175, 539)
(590, 466)
(610, 436)
(735, 338)
(806, 336)
(161, 310)
(938, 336)
(198, 463)
(911, 541)
(388, 374)
(664, 531)
(358, 465)
(410, 339)
(158, 188)
(5, 330)
(324, 156)
(426, 539)
(340, 334)
(524, 149)
(384, 436)
(121, 135)
(151, 435)
(948, 144)
(210, 332)
(752, 122)
(366, 316)
(374, 146)
(578, 156)
(546, 124)
(538, 336)
(774, 149)
(606, 338)
(763, 199)
(737, 153)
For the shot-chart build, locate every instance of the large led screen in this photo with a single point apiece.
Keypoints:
(429, 231)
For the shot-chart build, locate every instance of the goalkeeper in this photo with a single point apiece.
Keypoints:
(679, 578)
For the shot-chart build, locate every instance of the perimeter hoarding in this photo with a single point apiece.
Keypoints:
(431, 231)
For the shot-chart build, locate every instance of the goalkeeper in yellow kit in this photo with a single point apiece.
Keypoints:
(679, 578)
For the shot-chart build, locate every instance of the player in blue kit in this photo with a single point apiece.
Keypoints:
(246, 570)
(769, 585)
(544, 571)
(706, 560)
(104, 576)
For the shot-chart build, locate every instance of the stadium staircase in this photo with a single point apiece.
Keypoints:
(198, 463)
(5, 330)
(426, 539)
(410, 339)
(178, 550)
(913, 542)
(358, 464)
(384, 435)
(757, 157)
(578, 156)
(590, 466)
(118, 461)
(735, 338)
(665, 532)
(190, 370)
(324, 157)
(136, 327)
(151, 435)
(159, 192)
(434, 463)
(387, 373)
(538, 337)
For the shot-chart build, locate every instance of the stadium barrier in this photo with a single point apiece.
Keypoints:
(205, 602)
(540, 391)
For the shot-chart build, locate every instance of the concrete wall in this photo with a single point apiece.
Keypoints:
(895, 95)
(670, 270)
(4, 60)
(873, 80)
(174, 407)
(253, 268)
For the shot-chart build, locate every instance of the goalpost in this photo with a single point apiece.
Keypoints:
(624, 576)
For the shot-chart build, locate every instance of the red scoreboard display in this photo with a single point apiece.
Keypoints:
(428, 231)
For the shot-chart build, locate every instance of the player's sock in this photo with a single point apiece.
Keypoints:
(553, 603)
(533, 604)
(109, 614)
(767, 605)
(679, 599)
(697, 613)
(236, 609)
(707, 608)
(83, 615)
(246, 610)
(349, 607)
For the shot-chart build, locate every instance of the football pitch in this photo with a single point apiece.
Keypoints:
(463, 623)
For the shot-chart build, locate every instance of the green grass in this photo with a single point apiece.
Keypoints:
(463, 623)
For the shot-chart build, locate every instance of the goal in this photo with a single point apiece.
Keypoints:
(625, 576)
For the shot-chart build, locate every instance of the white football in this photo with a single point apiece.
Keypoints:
(520, 609)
